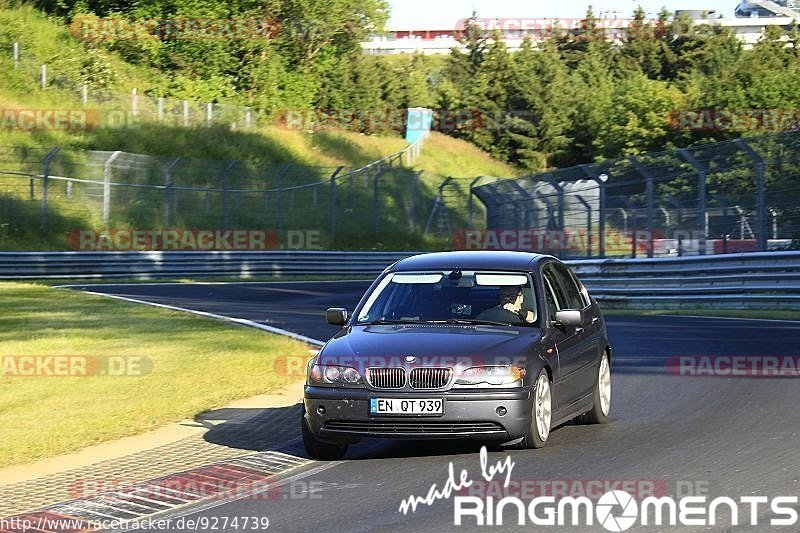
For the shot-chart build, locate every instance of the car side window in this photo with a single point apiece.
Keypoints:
(553, 294)
(572, 292)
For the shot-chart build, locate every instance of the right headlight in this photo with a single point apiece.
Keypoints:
(334, 376)
(491, 376)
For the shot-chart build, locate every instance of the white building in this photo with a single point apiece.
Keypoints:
(752, 16)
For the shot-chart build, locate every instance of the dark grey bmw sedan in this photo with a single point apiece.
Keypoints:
(499, 346)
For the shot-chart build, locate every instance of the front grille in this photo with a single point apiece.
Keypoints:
(429, 378)
(386, 378)
(415, 427)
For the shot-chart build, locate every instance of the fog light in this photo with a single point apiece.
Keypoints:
(501, 411)
(321, 410)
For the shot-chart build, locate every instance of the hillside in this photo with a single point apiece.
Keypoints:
(44, 39)
(313, 155)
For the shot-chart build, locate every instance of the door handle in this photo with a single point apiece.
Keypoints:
(578, 331)
(595, 320)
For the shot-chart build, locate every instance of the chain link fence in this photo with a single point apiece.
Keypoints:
(82, 78)
(733, 196)
(48, 197)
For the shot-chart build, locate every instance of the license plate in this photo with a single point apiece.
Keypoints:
(404, 406)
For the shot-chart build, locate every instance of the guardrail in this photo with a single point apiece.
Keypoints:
(753, 280)
(165, 265)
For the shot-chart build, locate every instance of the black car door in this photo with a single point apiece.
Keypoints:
(566, 389)
(579, 367)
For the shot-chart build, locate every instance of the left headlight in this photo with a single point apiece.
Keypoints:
(491, 376)
(334, 376)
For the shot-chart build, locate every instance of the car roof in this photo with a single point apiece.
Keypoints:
(470, 260)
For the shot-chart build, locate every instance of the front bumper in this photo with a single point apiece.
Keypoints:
(467, 414)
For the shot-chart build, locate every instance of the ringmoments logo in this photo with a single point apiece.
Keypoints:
(605, 510)
(618, 511)
(615, 510)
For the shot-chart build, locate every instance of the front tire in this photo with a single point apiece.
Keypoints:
(602, 395)
(317, 449)
(541, 414)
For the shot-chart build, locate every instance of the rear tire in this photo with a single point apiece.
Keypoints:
(541, 415)
(599, 412)
(317, 449)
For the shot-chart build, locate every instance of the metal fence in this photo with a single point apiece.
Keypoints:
(68, 75)
(734, 196)
(48, 194)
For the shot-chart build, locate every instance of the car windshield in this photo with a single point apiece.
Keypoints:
(498, 298)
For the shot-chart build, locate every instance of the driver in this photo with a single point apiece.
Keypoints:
(510, 308)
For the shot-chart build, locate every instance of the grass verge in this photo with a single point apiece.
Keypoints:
(197, 364)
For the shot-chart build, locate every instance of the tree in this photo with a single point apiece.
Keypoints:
(488, 95)
(575, 43)
(638, 118)
(642, 48)
(414, 88)
(540, 107)
(591, 88)
(307, 27)
(463, 66)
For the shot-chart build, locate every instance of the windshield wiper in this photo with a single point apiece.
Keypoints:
(471, 321)
(385, 322)
(446, 321)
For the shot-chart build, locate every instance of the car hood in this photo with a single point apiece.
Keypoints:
(429, 344)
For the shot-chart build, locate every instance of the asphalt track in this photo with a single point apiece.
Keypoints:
(720, 436)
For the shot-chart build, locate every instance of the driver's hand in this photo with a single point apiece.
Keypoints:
(511, 307)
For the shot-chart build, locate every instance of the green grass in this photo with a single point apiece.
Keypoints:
(197, 364)
(263, 151)
(143, 209)
(45, 39)
(447, 156)
(773, 314)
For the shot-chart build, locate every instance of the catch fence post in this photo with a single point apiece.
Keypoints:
(45, 174)
(107, 188)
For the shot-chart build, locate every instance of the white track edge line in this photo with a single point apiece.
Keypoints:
(241, 321)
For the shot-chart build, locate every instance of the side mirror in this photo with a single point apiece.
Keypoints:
(569, 317)
(336, 316)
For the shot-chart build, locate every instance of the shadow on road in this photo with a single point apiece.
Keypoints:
(255, 429)
(278, 429)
